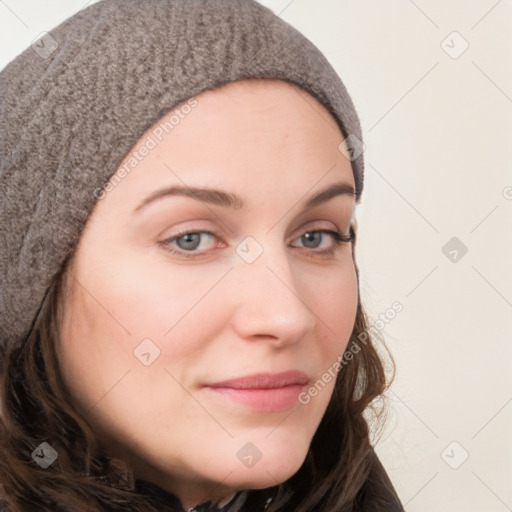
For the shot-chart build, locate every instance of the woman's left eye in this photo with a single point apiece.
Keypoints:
(188, 242)
(314, 236)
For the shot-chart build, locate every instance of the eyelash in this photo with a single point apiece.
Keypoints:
(336, 236)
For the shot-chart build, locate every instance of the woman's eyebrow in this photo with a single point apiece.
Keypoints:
(231, 200)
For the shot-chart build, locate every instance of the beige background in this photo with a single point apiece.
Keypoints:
(437, 123)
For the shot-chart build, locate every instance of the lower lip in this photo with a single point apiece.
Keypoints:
(268, 400)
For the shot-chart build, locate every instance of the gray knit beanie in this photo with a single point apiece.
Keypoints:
(76, 102)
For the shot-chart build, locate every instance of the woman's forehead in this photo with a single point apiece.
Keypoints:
(253, 135)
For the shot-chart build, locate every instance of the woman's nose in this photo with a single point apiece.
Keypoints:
(271, 300)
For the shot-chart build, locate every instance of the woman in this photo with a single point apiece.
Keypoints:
(181, 322)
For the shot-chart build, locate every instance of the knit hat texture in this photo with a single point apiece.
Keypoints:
(76, 102)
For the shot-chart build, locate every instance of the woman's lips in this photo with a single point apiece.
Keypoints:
(263, 391)
(267, 400)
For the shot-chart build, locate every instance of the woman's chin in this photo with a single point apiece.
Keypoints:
(266, 470)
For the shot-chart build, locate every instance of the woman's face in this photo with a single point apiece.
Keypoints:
(173, 297)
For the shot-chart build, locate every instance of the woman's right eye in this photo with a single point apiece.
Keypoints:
(187, 241)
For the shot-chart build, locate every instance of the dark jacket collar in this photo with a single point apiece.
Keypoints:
(259, 500)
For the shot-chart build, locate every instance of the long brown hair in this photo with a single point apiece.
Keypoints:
(339, 472)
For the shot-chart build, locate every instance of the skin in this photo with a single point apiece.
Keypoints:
(215, 316)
